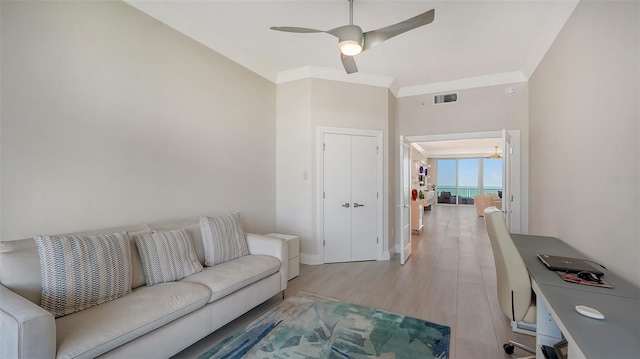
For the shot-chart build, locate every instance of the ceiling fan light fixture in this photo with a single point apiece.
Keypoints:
(495, 155)
(350, 47)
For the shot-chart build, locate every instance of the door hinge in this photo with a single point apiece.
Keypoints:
(324, 146)
(324, 195)
(324, 243)
(377, 149)
(377, 240)
(377, 195)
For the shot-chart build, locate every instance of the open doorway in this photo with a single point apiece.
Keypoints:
(479, 145)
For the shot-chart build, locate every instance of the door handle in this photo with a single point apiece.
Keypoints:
(346, 205)
(356, 205)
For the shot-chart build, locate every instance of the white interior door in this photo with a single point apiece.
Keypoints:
(507, 188)
(350, 208)
(364, 198)
(405, 204)
(337, 198)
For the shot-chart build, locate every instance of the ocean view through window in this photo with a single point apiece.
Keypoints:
(462, 179)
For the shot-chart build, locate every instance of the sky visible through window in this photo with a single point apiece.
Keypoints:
(492, 174)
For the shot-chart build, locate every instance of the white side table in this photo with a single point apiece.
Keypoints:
(293, 244)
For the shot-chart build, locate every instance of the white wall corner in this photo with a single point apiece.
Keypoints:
(310, 259)
(548, 34)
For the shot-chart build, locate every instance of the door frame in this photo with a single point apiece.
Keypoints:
(520, 221)
(379, 178)
(405, 203)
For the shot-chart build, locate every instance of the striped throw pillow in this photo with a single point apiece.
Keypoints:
(79, 272)
(223, 238)
(167, 256)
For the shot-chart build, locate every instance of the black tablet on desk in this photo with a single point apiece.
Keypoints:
(566, 264)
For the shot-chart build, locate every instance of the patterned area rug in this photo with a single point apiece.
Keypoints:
(311, 326)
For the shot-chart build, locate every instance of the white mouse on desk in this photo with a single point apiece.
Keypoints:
(589, 312)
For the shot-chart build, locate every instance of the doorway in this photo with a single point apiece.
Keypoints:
(516, 214)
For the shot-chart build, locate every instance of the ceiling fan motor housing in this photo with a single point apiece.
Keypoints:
(350, 39)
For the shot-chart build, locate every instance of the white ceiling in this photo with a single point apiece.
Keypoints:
(460, 148)
(469, 44)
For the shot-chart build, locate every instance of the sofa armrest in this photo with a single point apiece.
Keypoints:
(26, 330)
(270, 246)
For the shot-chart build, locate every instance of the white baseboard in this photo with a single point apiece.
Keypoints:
(310, 259)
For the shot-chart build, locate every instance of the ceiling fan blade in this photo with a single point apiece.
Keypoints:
(374, 37)
(349, 63)
(302, 30)
(347, 32)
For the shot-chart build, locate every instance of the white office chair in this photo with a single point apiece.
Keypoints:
(515, 295)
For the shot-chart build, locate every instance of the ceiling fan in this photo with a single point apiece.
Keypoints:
(352, 41)
(495, 155)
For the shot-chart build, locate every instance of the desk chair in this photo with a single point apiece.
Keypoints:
(515, 295)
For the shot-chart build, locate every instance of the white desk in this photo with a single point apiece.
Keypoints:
(617, 336)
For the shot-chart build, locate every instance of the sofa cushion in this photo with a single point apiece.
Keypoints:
(20, 268)
(191, 224)
(223, 238)
(233, 275)
(167, 256)
(97, 330)
(80, 272)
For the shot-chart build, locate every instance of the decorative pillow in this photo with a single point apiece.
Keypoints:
(167, 256)
(223, 238)
(79, 272)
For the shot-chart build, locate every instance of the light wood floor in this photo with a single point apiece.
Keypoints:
(449, 279)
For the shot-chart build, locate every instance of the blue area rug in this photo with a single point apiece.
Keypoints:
(312, 326)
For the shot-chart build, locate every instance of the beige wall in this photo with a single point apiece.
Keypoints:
(294, 134)
(433, 171)
(303, 106)
(585, 172)
(112, 118)
(477, 110)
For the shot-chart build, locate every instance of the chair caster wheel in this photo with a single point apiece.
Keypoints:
(508, 348)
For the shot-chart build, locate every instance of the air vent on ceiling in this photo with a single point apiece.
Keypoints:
(445, 98)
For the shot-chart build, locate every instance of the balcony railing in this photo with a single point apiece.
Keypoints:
(466, 192)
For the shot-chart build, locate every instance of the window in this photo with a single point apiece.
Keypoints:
(464, 178)
(467, 180)
(447, 176)
(491, 175)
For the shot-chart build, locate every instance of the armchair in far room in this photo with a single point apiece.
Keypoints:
(482, 202)
(497, 200)
(446, 197)
(517, 299)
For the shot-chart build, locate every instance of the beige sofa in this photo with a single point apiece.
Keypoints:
(153, 321)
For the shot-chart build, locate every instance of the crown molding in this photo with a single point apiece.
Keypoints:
(324, 73)
(463, 84)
